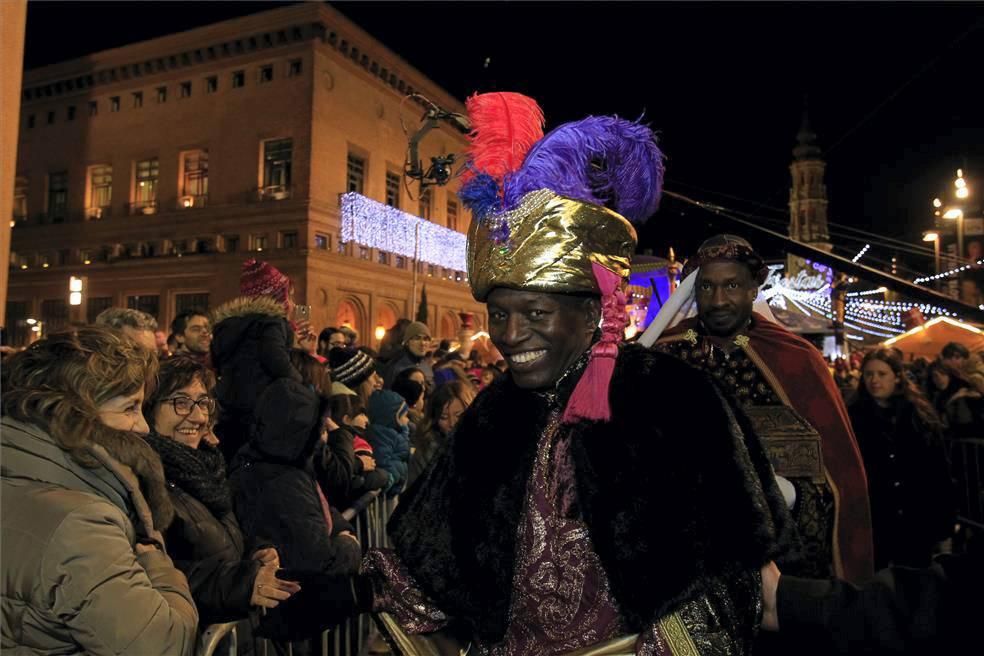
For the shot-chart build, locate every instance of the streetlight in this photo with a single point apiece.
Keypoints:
(957, 213)
(933, 236)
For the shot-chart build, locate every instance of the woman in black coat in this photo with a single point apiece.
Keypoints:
(957, 401)
(912, 496)
(277, 497)
(204, 539)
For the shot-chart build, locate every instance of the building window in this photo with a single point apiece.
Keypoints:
(20, 200)
(100, 190)
(452, 214)
(276, 166)
(114, 104)
(401, 262)
(211, 84)
(342, 250)
(266, 74)
(30, 121)
(93, 107)
(137, 99)
(51, 118)
(95, 305)
(238, 79)
(430, 270)
(393, 189)
(54, 315)
(184, 91)
(63, 257)
(194, 178)
(17, 329)
(363, 253)
(44, 261)
(356, 178)
(161, 95)
(145, 186)
(383, 257)
(57, 196)
(288, 239)
(294, 67)
(185, 302)
(259, 242)
(425, 203)
(322, 242)
(70, 113)
(151, 304)
(231, 243)
(85, 255)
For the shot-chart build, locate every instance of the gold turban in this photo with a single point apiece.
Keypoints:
(547, 244)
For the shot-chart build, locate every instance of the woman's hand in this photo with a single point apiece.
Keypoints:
(269, 591)
(368, 463)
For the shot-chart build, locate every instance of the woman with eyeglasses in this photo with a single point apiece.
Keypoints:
(227, 577)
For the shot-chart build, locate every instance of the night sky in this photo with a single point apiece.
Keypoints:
(894, 89)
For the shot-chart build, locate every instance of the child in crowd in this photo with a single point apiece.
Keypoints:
(348, 420)
(389, 435)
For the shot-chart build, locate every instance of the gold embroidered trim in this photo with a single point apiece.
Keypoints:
(677, 636)
(691, 336)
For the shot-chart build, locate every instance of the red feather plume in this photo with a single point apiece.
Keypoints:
(504, 128)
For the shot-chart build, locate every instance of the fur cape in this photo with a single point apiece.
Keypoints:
(670, 490)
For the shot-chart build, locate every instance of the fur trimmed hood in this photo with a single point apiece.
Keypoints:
(673, 489)
(247, 305)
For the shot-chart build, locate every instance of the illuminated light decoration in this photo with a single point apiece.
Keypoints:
(880, 290)
(947, 274)
(861, 253)
(376, 225)
(952, 322)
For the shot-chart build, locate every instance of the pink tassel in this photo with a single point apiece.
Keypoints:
(590, 398)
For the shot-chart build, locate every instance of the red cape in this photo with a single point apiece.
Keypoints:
(799, 373)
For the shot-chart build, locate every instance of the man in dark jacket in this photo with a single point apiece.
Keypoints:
(250, 349)
(416, 343)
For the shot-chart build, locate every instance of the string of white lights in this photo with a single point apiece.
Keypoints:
(861, 253)
(947, 274)
(869, 292)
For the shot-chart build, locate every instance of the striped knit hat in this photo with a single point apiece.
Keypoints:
(350, 366)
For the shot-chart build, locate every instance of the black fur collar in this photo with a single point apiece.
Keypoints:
(668, 490)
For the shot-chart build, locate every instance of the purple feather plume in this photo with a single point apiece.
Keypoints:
(481, 195)
(600, 159)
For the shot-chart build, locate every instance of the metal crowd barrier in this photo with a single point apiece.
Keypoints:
(368, 516)
(967, 467)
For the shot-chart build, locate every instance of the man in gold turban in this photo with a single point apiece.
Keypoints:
(576, 508)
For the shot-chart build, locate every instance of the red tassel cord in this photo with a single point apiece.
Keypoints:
(590, 398)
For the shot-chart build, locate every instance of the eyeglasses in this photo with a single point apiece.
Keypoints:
(184, 405)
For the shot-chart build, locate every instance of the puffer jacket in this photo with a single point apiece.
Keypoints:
(276, 497)
(72, 580)
(390, 441)
(250, 349)
(204, 539)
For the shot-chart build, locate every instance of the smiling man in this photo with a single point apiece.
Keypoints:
(782, 383)
(576, 506)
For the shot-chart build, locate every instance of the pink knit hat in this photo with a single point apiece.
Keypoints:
(263, 279)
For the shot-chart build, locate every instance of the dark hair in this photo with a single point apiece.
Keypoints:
(957, 378)
(312, 372)
(410, 390)
(181, 321)
(954, 350)
(344, 405)
(176, 373)
(406, 373)
(442, 396)
(904, 388)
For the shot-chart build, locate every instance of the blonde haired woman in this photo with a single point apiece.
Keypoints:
(82, 505)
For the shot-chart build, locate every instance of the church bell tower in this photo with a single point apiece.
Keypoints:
(807, 197)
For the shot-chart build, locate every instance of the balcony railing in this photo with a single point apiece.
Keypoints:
(96, 213)
(144, 207)
(192, 202)
(273, 192)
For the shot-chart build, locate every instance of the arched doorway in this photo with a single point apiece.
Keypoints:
(351, 313)
(386, 315)
(449, 326)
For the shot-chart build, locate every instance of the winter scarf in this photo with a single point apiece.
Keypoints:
(200, 472)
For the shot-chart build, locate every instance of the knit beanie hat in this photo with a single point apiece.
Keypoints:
(415, 329)
(263, 279)
(384, 406)
(350, 366)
